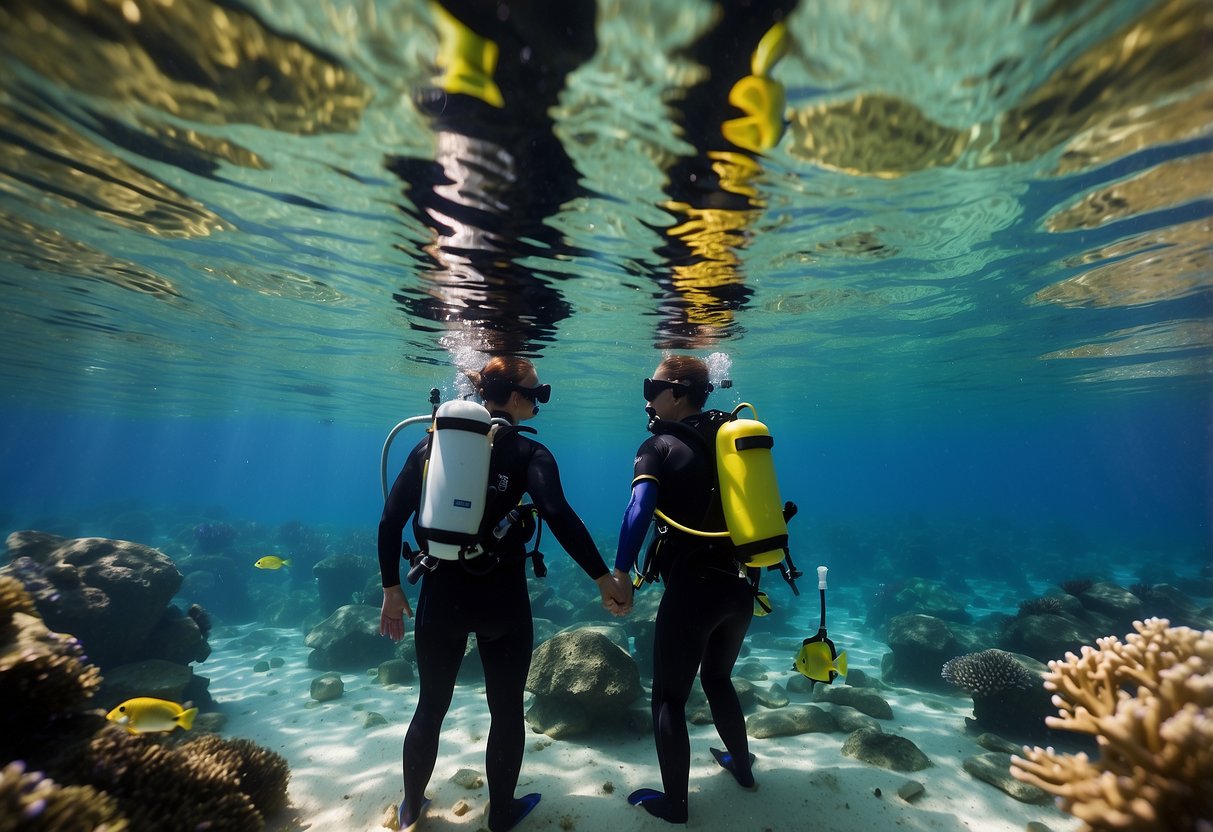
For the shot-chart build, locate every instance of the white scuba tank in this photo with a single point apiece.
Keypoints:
(455, 482)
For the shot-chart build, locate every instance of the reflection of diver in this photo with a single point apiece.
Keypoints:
(731, 117)
(498, 171)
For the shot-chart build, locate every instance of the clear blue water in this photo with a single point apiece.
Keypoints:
(969, 284)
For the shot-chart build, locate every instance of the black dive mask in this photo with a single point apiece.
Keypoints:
(499, 390)
(653, 388)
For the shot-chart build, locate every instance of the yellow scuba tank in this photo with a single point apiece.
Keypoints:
(455, 481)
(749, 491)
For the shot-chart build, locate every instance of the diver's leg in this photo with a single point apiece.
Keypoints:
(505, 652)
(441, 643)
(678, 644)
(715, 674)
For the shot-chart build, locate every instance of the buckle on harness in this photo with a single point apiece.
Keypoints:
(422, 563)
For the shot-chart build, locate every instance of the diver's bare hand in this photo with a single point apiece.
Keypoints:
(612, 600)
(623, 581)
(395, 608)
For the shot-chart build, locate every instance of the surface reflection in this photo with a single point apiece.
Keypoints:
(498, 173)
(730, 115)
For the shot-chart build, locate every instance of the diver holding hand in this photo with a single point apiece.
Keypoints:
(486, 596)
(708, 601)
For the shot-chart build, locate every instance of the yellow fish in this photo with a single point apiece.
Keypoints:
(762, 603)
(817, 661)
(271, 562)
(145, 715)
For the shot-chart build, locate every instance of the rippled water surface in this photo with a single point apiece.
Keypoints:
(890, 213)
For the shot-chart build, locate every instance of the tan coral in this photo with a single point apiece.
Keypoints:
(30, 802)
(1148, 702)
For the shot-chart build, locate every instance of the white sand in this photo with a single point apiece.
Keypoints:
(344, 776)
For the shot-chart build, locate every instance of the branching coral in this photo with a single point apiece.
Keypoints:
(32, 803)
(1149, 704)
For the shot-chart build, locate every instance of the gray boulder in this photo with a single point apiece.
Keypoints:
(109, 594)
(579, 678)
(885, 750)
(920, 645)
(995, 768)
(349, 640)
(864, 700)
(789, 722)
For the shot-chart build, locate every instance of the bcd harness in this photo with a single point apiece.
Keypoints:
(744, 494)
(455, 493)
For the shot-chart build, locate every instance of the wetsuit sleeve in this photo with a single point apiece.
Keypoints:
(402, 501)
(636, 519)
(543, 484)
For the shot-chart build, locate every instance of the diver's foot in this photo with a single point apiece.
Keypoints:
(512, 814)
(745, 779)
(659, 806)
(408, 822)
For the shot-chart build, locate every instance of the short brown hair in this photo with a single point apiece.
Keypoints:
(692, 372)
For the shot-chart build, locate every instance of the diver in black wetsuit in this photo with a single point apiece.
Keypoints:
(708, 600)
(494, 604)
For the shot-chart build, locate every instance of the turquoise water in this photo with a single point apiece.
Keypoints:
(962, 270)
(970, 280)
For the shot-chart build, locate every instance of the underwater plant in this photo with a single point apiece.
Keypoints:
(1148, 702)
(1077, 586)
(1040, 606)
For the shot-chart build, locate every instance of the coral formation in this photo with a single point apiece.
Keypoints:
(43, 675)
(1040, 606)
(1077, 586)
(1007, 697)
(988, 672)
(1148, 702)
(112, 778)
(228, 784)
(32, 803)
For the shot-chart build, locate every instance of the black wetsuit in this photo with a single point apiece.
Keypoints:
(704, 613)
(454, 603)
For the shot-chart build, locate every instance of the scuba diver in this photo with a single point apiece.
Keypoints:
(483, 593)
(709, 598)
(498, 173)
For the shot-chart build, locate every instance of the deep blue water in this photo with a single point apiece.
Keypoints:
(1130, 477)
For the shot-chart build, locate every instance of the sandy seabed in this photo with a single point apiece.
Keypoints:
(345, 776)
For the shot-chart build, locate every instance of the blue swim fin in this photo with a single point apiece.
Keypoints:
(641, 795)
(520, 808)
(726, 762)
(411, 825)
(658, 805)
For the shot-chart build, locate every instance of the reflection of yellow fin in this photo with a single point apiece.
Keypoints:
(763, 102)
(772, 47)
(468, 60)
